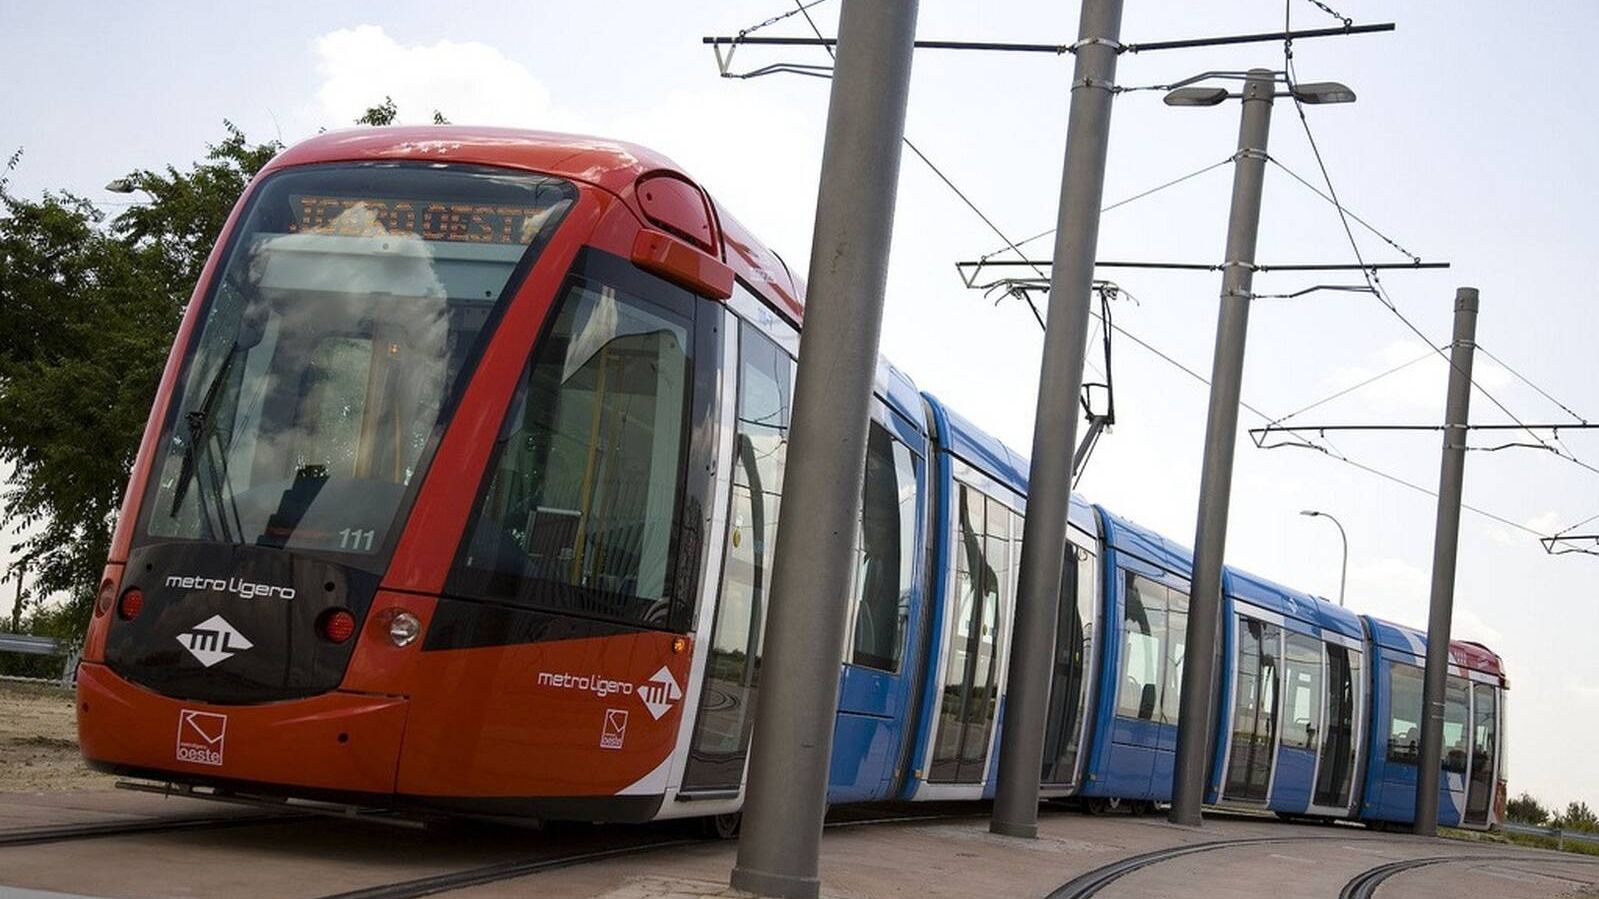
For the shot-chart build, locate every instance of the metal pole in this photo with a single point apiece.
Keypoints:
(1446, 543)
(1021, 747)
(779, 849)
(1343, 541)
(1343, 572)
(1194, 725)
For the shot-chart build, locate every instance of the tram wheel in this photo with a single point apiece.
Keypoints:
(1099, 805)
(722, 827)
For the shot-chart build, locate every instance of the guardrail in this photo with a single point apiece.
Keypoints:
(1559, 835)
(28, 644)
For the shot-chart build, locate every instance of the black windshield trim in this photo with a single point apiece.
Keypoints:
(377, 560)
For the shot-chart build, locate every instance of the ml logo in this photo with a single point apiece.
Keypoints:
(660, 692)
(213, 640)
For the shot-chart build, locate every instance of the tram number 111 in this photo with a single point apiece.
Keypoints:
(357, 539)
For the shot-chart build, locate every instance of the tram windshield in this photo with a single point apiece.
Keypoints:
(339, 329)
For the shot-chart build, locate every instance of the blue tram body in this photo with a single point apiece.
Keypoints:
(1313, 703)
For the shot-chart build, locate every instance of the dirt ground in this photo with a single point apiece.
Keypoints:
(39, 742)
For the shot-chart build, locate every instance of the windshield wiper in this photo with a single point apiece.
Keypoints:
(199, 422)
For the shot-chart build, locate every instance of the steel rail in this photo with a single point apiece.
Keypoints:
(1090, 883)
(1364, 885)
(499, 871)
(64, 832)
(455, 880)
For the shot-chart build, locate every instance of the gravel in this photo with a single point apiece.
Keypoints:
(39, 742)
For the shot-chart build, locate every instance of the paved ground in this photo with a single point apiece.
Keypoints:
(952, 857)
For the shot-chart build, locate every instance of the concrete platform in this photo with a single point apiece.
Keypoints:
(950, 857)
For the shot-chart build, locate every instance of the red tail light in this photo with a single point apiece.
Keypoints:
(336, 625)
(132, 602)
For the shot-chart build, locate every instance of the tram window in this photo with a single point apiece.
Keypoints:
(1176, 644)
(885, 560)
(1302, 692)
(579, 511)
(1456, 724)
(1404, 705)
(1142, 648)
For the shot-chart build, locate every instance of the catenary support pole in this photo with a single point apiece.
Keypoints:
(787, 790)
(1194, 721)
(1021, 746)
(1446, 542)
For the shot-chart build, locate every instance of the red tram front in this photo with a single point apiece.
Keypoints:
(420, 513)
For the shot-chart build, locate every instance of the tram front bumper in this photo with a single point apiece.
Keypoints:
(343, 742)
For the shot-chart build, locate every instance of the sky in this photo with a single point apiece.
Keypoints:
(1485, 167)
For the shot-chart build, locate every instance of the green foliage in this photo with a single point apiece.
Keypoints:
(384, 113)
(88, 308)
(1527, 810)
(387, 113)
(1577, 816)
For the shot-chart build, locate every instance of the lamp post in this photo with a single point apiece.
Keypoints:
(1343, 574)
(1221, 429)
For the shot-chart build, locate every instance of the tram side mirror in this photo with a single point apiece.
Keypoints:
(1146, 702)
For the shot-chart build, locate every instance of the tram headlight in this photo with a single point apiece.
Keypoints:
(404, 629)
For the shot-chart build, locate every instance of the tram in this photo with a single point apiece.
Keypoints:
(459, 495)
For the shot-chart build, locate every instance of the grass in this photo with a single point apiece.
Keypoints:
(1574, 846)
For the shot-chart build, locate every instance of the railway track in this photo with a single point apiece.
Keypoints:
(455, 880)
(64, 832)
(1091, 882)
(1364, 885)
(493, 873)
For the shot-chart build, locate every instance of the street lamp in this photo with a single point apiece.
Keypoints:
(1344, 574)
(1194, 717)
(121, 186)
(1315, 93)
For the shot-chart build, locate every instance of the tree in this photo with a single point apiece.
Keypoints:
(384, 113)
(88, 309)
(1527, 810)
(1577, 816)
(387, 113)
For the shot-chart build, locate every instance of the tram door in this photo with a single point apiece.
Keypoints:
(1336, 767)
(1074, 635)
(1485, 727)
(732, 670)
(1302, 720)
(1254, 732)
(971, 688)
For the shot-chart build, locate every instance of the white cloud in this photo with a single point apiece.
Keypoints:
(469, 82)
(1391, 589)
(1468, 625)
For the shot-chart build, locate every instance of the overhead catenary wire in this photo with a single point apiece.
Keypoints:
(1118, 204)
(1351, 389)
(1329, 450)
(1372, 278)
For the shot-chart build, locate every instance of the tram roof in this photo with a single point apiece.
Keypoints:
(1128, 536)
(611, 165)
(992, 457)
(1293, 603)
(1465, 653)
